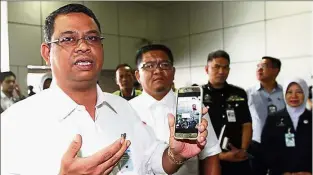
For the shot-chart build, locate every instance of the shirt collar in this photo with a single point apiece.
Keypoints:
(65, 105)
(133, 94)
(167, 100)
(260, 87)
(3, 95)
(212, 88)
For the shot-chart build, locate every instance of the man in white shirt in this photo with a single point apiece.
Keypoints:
(156, 74)
(85, 131)
(10, 91)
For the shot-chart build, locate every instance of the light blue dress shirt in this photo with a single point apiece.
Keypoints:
(259, 100)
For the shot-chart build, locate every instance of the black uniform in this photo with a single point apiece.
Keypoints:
(293, 154)
(229, 106)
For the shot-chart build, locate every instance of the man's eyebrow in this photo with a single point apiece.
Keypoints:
(74, 32)
(221, 64)
(67, 32)
(93, 31)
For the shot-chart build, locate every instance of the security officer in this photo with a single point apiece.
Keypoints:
(229, 113)
(125, 81)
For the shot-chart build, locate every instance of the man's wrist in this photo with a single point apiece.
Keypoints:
(178, 160)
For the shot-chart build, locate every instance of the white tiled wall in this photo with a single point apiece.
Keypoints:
(129, 46)
(242, 12)
(174, 20)
(107, 15)
(205, 16)
(180, 51)
(202, 43)
(247, 30)
(245, 42)
(290, 36)
(132, 19)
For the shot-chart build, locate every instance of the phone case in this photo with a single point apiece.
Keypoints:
(188, 136)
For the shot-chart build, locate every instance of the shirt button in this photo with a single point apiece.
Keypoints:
(222, 95)
(223, 116)
(222, 106)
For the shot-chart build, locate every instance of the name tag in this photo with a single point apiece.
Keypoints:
(231, 115)
(272, 109)
(126, 162)
(290, 139)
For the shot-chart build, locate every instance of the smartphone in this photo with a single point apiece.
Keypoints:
(188, 112)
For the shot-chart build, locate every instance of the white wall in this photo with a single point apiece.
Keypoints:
(123, 24)
(246, 30)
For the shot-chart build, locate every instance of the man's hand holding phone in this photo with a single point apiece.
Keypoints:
(185, 149)
(102, 162)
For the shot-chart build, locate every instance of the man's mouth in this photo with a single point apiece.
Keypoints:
(83, 62)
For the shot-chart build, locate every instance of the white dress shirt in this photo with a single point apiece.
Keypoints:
(154, 113)
(36, 132)
(6, 101)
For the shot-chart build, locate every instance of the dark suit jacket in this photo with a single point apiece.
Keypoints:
(277, 156)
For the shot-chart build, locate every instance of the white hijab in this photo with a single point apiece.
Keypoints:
(295, 112)
(43, 79)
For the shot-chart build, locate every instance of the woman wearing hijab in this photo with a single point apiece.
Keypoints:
(287, 135)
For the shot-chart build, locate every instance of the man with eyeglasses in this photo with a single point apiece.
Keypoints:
(125, 80)
(85, 131)
(156, 74)
(229, 113)
(264, 99)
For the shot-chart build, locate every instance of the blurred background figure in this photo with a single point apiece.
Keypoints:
(309, 105)
(125, 80)
(10, 91)
(287, 135)
(45, 81)
(174, 88)
(137, 86)
(31, 90)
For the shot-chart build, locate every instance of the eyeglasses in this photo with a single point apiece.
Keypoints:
(150, 66)
(72, 40)
(263, 66)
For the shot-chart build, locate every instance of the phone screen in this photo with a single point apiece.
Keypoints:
(188, 112)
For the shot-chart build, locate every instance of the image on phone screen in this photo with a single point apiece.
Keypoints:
(188, 112)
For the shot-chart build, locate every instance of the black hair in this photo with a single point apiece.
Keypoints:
(218, 54)
(194, 84)
(136, 84)
(275, 61)
(310, 92)
(3, 75)
(122, 65)
(152, 47)
(69, 8)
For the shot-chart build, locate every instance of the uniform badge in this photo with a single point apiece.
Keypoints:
(281, 123)
(235, 98)
(207, 98)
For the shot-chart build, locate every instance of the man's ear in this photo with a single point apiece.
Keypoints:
(45, 53)
(137, 75)
(206, 68)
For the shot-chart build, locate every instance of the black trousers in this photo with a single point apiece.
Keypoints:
(257, 163)
(236, 168)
